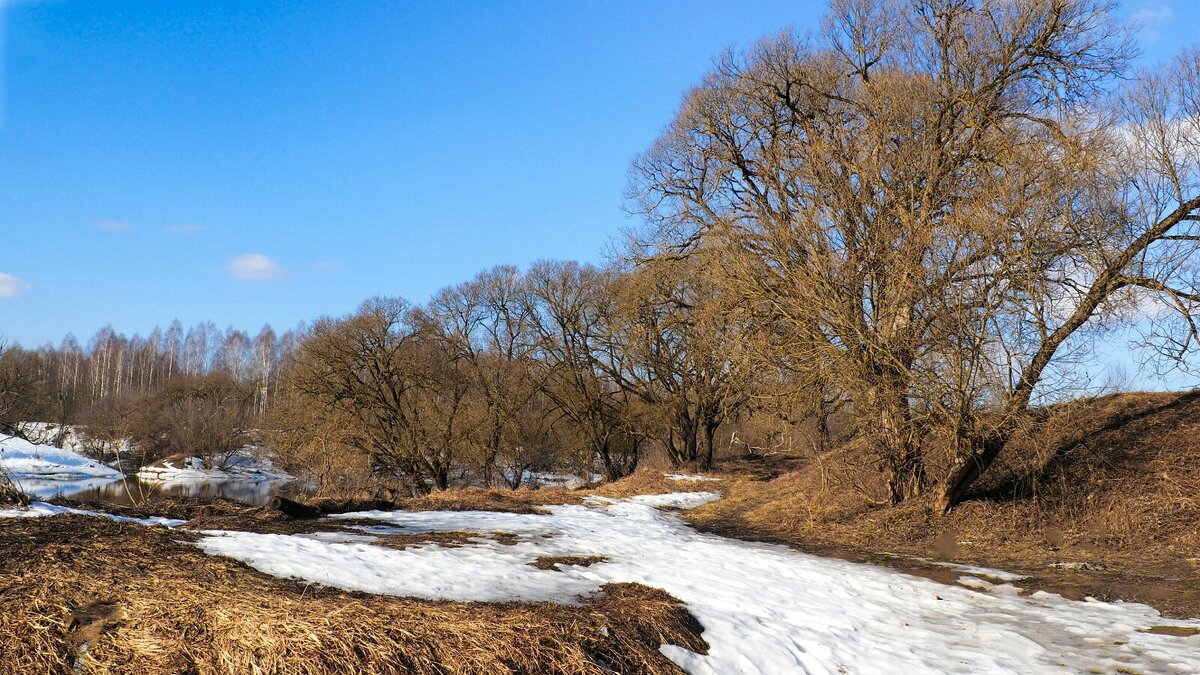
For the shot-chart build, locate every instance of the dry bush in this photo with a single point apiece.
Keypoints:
(9, 494)
(317, 450)
(147, 603)
(191, 415)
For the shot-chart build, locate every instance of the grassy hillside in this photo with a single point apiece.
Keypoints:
(1098, 497)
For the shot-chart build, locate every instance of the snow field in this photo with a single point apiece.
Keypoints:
(764, 608)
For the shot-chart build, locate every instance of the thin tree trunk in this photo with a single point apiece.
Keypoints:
(903, 459)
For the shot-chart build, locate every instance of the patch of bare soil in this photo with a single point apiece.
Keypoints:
(85, 594)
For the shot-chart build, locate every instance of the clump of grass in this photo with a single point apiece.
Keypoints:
(9, 494)
(552, 562)
(145, 600)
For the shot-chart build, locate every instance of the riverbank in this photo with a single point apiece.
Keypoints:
(47, 472)
(606, 582)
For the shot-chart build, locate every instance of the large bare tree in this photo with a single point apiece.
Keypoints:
(487, 323)
(928, 200)
(681, 340)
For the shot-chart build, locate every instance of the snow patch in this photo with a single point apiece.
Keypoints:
(689, 477)
(39, 509)
(21, 459)
(764, 608)
(248, 464)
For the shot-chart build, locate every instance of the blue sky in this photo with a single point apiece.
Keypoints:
(250, 162)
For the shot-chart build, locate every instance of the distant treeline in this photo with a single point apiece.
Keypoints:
(59, 384)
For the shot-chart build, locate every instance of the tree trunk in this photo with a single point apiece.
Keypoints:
(903, 459)
(610, 470)
(967, 469)
(710, 431)
(906, 474)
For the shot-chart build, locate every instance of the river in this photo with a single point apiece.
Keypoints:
(130, 490)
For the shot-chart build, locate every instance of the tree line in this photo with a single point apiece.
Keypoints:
(117, 381)
(566, 365)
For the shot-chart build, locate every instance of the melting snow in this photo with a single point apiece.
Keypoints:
(688, 477)
(764, 608)
(21, 459)
(247, 464)
(37, 509)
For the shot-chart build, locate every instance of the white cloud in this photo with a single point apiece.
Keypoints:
(255, 267)
(1151, 18)
(184, 228)
(11, 287)
(109, 225)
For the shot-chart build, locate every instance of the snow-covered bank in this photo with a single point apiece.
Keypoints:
(247, 464)
(764, 608)
(21, 459)
(39, 509)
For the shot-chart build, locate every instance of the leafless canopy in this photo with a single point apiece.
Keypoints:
(928, 202)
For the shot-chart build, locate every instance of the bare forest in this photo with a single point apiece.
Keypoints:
(908, 228)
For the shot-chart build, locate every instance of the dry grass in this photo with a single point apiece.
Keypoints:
(522, 500)
(10, 495)
(146, 601)
(552, 562)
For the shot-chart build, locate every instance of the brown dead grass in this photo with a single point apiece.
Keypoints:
(1114, 482)
(551, 562)
(522, 500)
(147, 601)
(10, 495)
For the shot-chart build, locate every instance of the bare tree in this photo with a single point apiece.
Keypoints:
(487, 323)
(406, 396)
(17, 382)
(572, 312)
(867, 191)
(1131, 252)
(680, 341)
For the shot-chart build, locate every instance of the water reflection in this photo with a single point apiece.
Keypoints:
(130, 490)
(49, 488)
